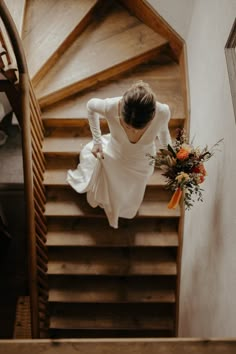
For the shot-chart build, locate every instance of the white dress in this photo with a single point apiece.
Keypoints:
(117, 183)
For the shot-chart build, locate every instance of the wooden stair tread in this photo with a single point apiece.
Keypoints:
(111, 261)
(85, 62)
(50, 26)
(70, 203)
(151, 234)
(57, 177)
(131, 233)
(17, 11)
(110, 317)
(109, 291)
(165, 81)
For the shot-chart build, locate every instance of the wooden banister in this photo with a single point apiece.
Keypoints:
(14, 38)
(29, 116)
(5, 50)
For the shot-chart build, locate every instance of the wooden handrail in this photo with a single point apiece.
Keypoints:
(34, 167)
(14, 38)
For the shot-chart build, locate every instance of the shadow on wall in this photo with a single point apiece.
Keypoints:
(204, 262)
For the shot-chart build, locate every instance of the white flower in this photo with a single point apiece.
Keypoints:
(182, 176)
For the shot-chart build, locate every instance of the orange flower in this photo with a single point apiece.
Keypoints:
(175, 199)
(182, 154)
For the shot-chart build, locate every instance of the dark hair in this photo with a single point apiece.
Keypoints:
(138, 105)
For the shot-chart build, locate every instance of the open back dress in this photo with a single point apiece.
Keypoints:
(117, 183)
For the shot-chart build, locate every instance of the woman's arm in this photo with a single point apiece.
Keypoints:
(164, 134)
(96, 107)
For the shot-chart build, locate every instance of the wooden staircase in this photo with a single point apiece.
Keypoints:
(103, 282)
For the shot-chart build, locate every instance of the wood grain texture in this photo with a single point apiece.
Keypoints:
(64, 145)
(117, 346)
(111, 290)
(106, 261)
(147, 14)
(67, 141)
(57, 178)
(112, 320)
(165, 80)
(69, 203)
(50, 28)
(135, 233)
(17, 11)
(86, 61)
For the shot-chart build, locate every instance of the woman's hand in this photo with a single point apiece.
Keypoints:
(97, 151)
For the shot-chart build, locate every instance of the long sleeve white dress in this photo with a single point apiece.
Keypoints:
(117, 183)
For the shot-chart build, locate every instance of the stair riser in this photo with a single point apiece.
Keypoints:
(106, 309)
(61, 183)
(112, 316)
(63, 127)
(152, 193)
(58, 161)
(78, 254)
(112, 261)
(83, 130)
(131, 233)
(155, 225)
(93, 333)
(111, 290)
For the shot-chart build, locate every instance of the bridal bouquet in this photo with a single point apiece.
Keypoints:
(183, 167)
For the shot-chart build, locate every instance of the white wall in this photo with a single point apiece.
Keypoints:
(177, 13)
(208, 284)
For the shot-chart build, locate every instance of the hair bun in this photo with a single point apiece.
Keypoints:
(138, 104)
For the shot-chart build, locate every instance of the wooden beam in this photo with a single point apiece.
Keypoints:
(117, 346)
(147, 14)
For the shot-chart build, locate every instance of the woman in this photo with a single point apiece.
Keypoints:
(114, 168)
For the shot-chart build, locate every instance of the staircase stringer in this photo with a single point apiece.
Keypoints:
(148, 15)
